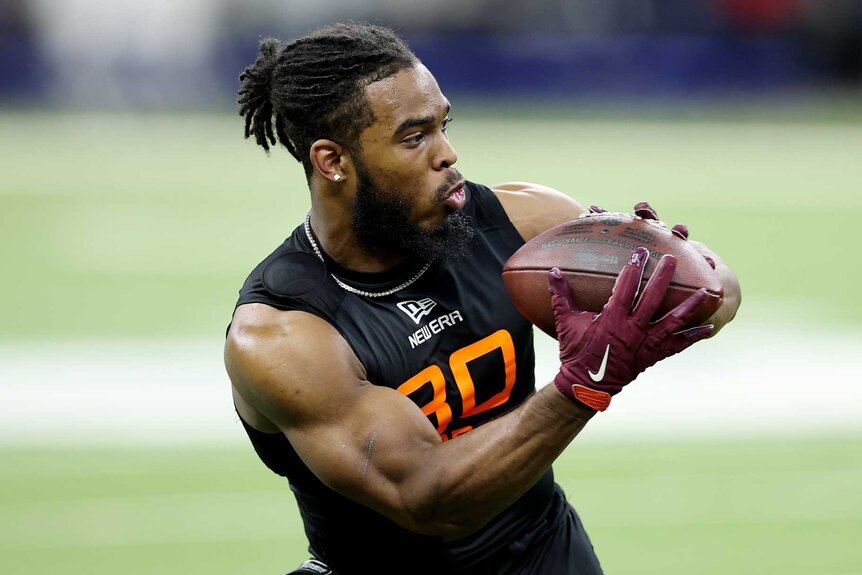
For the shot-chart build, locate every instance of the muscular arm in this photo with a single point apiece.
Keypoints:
(292, 372)
(371, 443)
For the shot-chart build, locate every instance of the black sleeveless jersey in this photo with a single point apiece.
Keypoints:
(453, 343)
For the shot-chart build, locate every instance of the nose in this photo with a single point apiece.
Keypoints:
(446, 155)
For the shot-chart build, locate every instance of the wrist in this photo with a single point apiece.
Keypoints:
(581, 394)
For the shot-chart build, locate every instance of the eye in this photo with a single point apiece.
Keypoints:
(446, 123)
(414, 139)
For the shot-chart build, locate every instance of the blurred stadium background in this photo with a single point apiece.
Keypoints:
(131, 210)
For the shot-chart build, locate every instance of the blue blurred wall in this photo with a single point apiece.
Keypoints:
(190, 52)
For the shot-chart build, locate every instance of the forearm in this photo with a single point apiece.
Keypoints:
(466, 481)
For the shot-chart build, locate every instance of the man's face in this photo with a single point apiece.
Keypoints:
(408, 195)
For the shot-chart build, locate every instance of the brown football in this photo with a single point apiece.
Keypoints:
(590, 252)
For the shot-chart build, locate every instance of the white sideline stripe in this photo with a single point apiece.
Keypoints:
(759, 378)
(762, 378)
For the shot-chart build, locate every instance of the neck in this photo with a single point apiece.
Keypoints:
(335, 236)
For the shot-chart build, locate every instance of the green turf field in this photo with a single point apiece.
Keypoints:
(124, 227)
(146, 225)
(790, 507)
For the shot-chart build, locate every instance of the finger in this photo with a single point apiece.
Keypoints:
(680, 231)
(677, 342)
(597, 210)
(698, 333)
(645, 211)
(655, 290)
(682, 314)
(561, 293)
(628, 282)
(710, 261)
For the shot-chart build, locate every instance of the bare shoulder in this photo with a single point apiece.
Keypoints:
(534, 208)
(274, 358)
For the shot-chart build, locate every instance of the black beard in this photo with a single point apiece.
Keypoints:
(382, 225)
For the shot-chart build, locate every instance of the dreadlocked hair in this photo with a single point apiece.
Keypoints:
(311, 88)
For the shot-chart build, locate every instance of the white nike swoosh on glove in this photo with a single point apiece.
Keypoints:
(600, 375)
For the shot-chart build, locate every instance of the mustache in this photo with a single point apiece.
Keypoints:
(452, 178)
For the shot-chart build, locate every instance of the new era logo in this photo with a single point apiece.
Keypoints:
(417, 309)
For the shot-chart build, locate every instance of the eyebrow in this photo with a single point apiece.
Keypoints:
(412, 122)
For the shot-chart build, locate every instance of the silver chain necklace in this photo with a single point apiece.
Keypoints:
(349, 288)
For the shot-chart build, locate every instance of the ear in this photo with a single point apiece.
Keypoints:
(330, 160)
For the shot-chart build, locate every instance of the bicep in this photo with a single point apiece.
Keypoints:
(371, 451)
(533, 208)
(364, 441)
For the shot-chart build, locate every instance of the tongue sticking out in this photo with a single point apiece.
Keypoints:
(457, 199)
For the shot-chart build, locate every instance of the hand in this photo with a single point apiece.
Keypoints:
(601, 353)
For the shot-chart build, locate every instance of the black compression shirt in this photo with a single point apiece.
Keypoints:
(453, 343)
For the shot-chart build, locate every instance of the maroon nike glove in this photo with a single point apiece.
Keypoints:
(601, 353)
